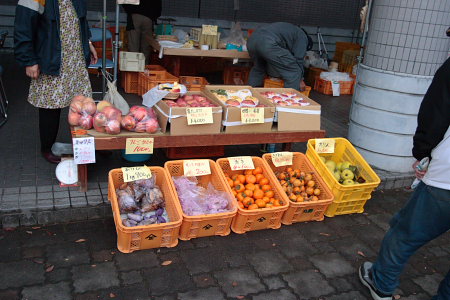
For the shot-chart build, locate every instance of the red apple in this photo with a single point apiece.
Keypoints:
(248, 102)
(232, 102)
(140, 113)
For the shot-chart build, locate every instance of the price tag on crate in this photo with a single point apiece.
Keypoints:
(209, 29)
(84, 150)
(199, 115)
(336, 87)
(136, 173)
(280, 159)
(325, 145)
(196, 167)
(139, 146)
(241, 163)
(252, 115)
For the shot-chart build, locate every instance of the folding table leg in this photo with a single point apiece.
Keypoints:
(82, 177)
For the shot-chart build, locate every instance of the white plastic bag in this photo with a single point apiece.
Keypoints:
(113, 96)
(134, 2)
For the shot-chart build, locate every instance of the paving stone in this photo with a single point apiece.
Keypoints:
(21, 273)
(29, 204)
(202, 260)
(308, 284)
(88, 278)
(301, 263)
(341, 285)
(102, 255)
(438, 251)
(429, 283)
(93, 192)
(324, 247)
(274, 282)
(9, 206)
(269, 263)
(9, 295)
(62, 216)
(76, 193)
(130, 292)
(416, 297)
(349, 248)
(176, 275)
(9, 251)
(88, 296)
(57, 291)
(78, 214)
(62, 203)
(136, 260)
(276, 295)
(61, 194)
(59, 274)
(94, 200)
(67, 254)
(45, 205)
(78, 201)
(131, 277)
(166, 297)
(45, 195)
(96, 212)
(409, 285)
(239, 282)
(32, 252)
(382, 220)
(10, 221)
(353, 295)
(28, 189)
(295, 246)
(11, 190)
(28, 219)
(44, 188)
(209, 293)
(332, 265)
(45, 217)
(203, 280)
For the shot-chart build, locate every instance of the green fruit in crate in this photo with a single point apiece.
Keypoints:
(347, 174)
(337, 175)
(323, 159)
(331, 165)
(339, 166)
(345, 165)
(348, 182)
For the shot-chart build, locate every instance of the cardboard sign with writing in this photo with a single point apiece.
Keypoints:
(241, 163)
(196, 167)
(84, 150)
(325, 145)
(139, 146)
(136, 173)
(282, 159)
(252, 115)
(209, 29)
(199, 115)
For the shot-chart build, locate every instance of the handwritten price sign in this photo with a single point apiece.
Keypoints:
(139, 146)
(325, 145)
(84, 150)
(282, 159)
(136, 173)
(199, 115)
(209, 29)
(241, 163)
(252, 115)
(196, 167)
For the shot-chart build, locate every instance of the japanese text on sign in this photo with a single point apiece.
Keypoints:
(199, 115)
(241, 163)
(139, 146)
(325, 145)
(282, 159)
(196, 167)
(84, 150)
(136, 173)
(209, 29)
(252, 115)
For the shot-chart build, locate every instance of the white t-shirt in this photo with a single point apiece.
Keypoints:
(438, 174)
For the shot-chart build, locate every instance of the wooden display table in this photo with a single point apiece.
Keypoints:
(111, 142)
(178, 52)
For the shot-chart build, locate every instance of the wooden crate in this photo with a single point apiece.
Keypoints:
(236, 75)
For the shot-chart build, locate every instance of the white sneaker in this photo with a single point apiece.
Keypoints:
(366, 279)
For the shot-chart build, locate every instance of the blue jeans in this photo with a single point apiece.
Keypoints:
(424, 217)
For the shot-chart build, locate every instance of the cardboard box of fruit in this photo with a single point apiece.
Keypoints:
(294, 111)
(236, 98)
(175, 113)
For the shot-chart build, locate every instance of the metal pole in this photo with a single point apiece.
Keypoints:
(104, 49)
(116, 44)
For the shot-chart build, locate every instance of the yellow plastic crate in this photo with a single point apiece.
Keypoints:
(347, 198)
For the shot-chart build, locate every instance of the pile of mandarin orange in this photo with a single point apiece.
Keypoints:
(253, 190)
(299, 186)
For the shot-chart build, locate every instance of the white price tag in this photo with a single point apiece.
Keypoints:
(84, 150)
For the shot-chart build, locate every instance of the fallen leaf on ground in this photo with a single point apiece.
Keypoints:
(38, 261)
(325, 234)
(9, 229)
(234, 283)
(35, 227)
(361, 253)
(166, 263)
(93, 266)
(80, 241)
(396, 297)
(49, 269)
(29, 232)
(273, 245)
(240, 297)
(111, 295)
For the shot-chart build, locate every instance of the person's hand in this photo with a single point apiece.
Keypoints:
(94, 57)
(32, 71)
(302, 86)
(419, 174)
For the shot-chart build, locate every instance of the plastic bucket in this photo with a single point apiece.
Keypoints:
(135, 157)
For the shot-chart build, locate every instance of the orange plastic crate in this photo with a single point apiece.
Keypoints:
(341, 47)
(279, 83)
(129, 80)
(193, 83)
(130, 239)
(324, 86)
(195, 152)
(148, 81)
(204, 225)
(263, 218)
(304, 211)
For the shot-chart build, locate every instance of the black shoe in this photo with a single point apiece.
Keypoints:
(366, 279)
(51, 158)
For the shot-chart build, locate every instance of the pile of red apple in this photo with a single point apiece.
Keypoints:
(244, 103)
(81, 111)
(285, 99)
(140, 119)
(191, 101)
(107, 118)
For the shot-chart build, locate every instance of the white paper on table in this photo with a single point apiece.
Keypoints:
(336, 88)
(154, 96)
(84, 150)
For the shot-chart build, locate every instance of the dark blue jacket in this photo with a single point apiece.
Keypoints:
(36, 34)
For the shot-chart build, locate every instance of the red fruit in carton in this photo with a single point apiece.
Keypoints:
(232, 102)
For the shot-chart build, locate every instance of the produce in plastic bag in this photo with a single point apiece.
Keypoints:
(335, 76)
(141, 119)
(196, 200)
(236, 36)
(81, 111)
(108, 120)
